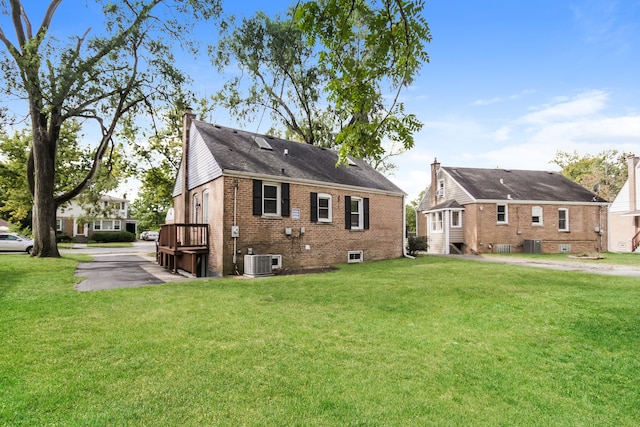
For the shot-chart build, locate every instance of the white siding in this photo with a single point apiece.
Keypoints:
(202, 166)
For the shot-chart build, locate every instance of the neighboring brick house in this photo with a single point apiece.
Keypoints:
(624, 212)
(265, 195)
(74, 220)
(469, 210)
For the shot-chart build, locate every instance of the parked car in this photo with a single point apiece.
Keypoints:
(15, 242)
(150, 235)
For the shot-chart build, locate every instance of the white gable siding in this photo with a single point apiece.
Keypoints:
(622, 202)
(453, 190)
(202, 166)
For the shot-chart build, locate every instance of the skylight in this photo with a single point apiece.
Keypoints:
(262, 143)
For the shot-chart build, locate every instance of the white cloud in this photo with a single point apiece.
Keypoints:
(582, 105)
(494, 100)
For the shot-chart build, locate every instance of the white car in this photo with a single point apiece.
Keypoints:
(151, 235)
(14, 242)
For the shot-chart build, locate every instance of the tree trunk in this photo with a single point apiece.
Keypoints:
(44, 205)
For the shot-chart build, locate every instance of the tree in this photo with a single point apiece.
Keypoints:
(158, 164)
(73, 162)
(105, 80)
(607, 170)
(331, 72)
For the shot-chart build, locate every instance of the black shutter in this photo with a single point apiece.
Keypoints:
(314, 207)
(347, 212)
(365, 203)
(257, 197)
(284, 195)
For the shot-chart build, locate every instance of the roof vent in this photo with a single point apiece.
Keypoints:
(262, 143)
(351, 162)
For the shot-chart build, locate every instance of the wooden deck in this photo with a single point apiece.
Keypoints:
(184, 247)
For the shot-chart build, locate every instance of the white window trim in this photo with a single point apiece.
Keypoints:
(360, 225)
(59, 226)
(440, 190)
(278, 198)
(355, 256)
(506, 213)
(194, 211)
(278, 262)
(566, 219)
(540, 211)
(326, 197)
(205, 207)
(98, 225)
(437, 218)
(459, 220)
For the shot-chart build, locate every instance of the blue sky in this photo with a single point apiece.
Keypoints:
(509, 82)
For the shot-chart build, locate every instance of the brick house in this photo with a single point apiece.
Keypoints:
(80, 222)
(475, 211)
(261, 195)
(624, 212)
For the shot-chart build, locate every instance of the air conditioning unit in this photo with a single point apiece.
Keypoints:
(440, 193)
(257, 265)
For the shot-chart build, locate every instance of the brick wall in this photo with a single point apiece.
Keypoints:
(321, 244)
(582, 235)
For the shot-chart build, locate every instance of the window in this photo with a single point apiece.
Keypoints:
(123, 206)
(107, 225)
(270, 198)
(321, 209)
(276, 262)
(440, 191)
(356, 211)
(59, 225)
(205, 207)
(436, 222)
(563, 219)
(536, 215)
(503, 214)
(194, 210)
(456, 219)
(355, 256)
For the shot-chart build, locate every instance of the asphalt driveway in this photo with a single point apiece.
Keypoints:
(115, 271)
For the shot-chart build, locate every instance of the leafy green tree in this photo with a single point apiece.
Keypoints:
(605, 172)
(105, 80)
(158, 162)
(73, 162)
(331, 73)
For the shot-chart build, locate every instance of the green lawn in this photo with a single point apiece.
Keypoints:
(431, 341)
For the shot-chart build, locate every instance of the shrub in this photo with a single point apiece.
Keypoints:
(415, 244)
(63, 238)
(116, 236)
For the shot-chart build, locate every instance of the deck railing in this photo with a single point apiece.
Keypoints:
(184, 246)
(635, 242)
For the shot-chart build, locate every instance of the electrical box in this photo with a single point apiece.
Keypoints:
(287, 231)
(235, 231)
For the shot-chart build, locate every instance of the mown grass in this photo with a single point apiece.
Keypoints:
(431, 341)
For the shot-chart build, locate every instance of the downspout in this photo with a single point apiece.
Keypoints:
(404, 228)
(235, 239)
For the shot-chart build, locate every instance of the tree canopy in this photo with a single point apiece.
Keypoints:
(605, 172)
(107, 79)
(331, 72)
(73, 161)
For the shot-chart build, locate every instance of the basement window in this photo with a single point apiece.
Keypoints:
(355, 256)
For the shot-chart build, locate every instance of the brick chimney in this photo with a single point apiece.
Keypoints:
(187, 118)
(435, 166)
(632, 163)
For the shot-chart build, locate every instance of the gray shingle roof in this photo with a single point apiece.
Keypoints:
(237, 150)
(500, 184)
